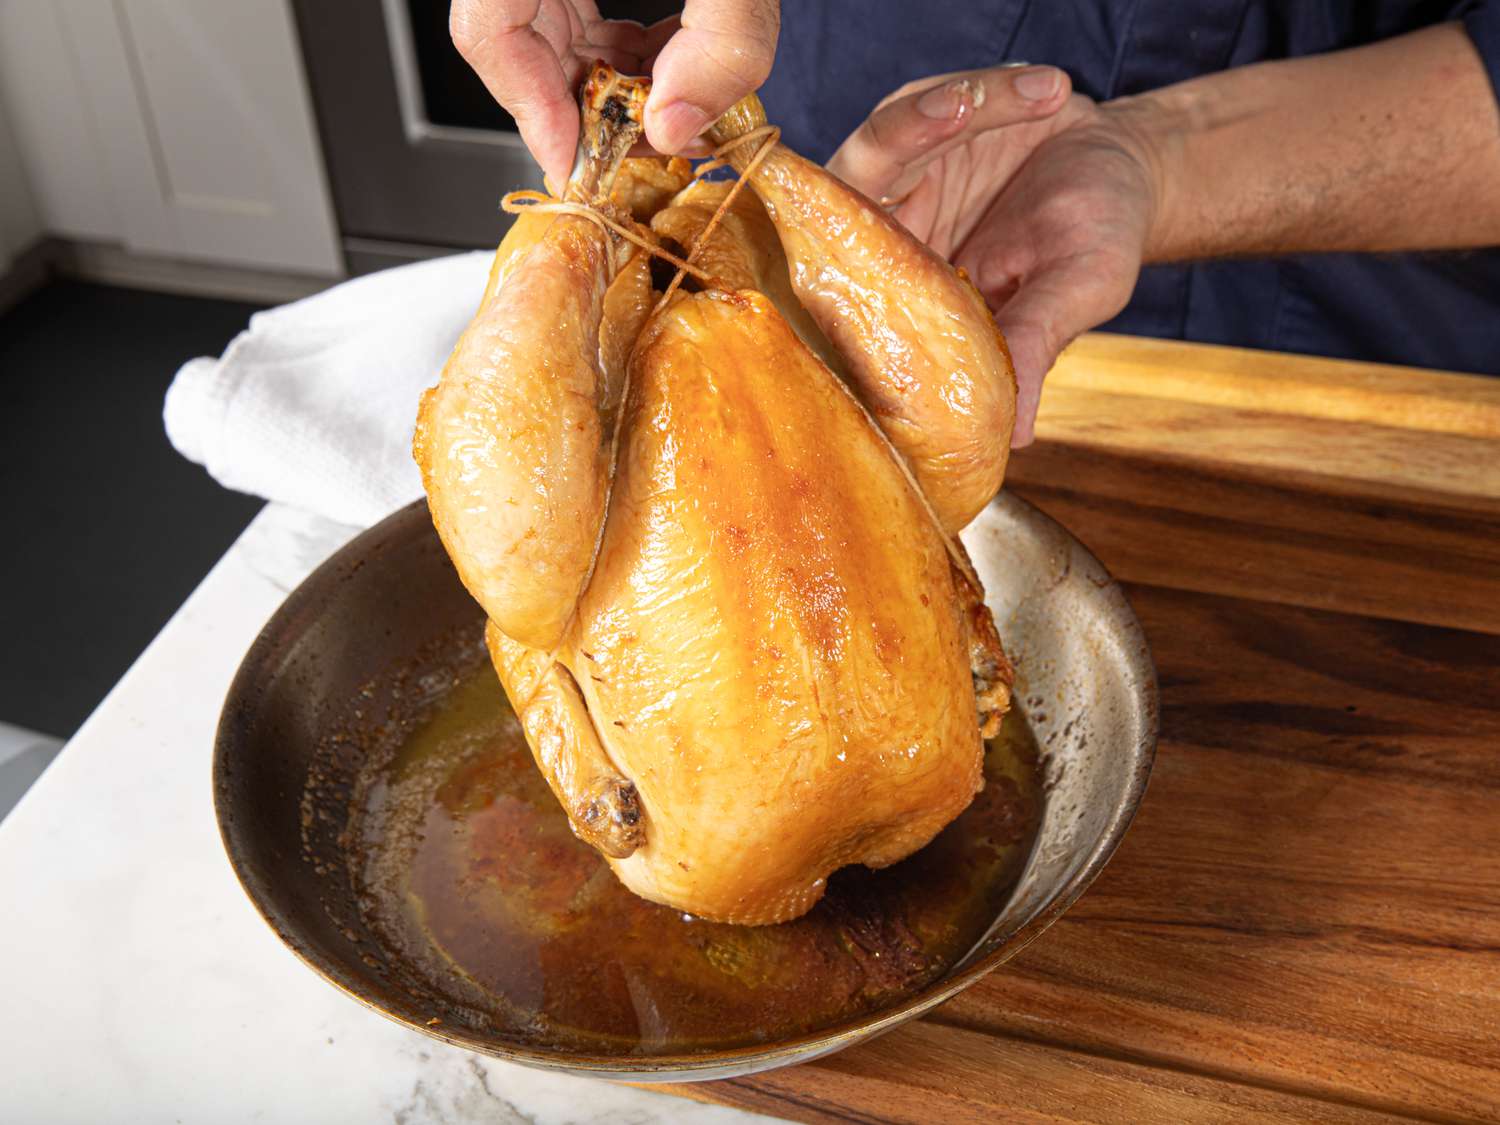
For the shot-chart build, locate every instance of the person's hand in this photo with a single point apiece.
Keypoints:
(531, 54)
(1045, 198)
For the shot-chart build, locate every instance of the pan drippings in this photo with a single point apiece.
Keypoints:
(467, 867)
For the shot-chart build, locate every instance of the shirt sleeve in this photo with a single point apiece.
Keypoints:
(1482, 22)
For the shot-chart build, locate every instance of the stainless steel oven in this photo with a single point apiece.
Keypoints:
(417, 151)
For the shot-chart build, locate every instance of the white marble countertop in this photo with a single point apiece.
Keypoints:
(137, 981)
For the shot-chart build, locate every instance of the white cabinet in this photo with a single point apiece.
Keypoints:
(19, 222)
(41, 92)
(180, 128)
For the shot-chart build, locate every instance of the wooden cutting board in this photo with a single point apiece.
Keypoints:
(1304, 921)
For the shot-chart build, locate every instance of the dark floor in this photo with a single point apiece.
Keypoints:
(105, 529)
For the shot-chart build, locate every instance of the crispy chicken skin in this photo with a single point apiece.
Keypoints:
(513, 442)
(776, 650)
(918, 342)
(723, 596)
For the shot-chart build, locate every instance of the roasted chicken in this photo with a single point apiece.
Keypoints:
(714, 535)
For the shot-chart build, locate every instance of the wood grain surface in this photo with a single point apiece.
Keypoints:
(1303, 924)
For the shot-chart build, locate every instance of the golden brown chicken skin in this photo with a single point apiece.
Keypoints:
(513, 442)
(772, 648)
(918, 342)
(723, 596)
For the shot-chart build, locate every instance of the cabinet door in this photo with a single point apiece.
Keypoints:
(57, 155)
(19, 223)
(206, 129)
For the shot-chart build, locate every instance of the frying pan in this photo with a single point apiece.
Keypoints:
(327, 681)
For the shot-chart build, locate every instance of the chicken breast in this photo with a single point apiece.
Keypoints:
(773, 648)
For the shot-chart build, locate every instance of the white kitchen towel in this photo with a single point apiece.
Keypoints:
(313, 404)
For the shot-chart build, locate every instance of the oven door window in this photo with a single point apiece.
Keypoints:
(452, 94)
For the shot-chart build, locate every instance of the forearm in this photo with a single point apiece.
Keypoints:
(1395, 146)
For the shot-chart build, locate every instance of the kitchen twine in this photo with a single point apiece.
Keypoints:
(515, 202)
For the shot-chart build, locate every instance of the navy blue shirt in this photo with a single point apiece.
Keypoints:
(838, 58)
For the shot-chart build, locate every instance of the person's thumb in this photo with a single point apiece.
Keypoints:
(722, 52)
(1049, 308)
(1033, 352)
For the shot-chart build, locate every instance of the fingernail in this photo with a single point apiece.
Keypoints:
(1039, 84)
(680, 122)
(948, 101)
